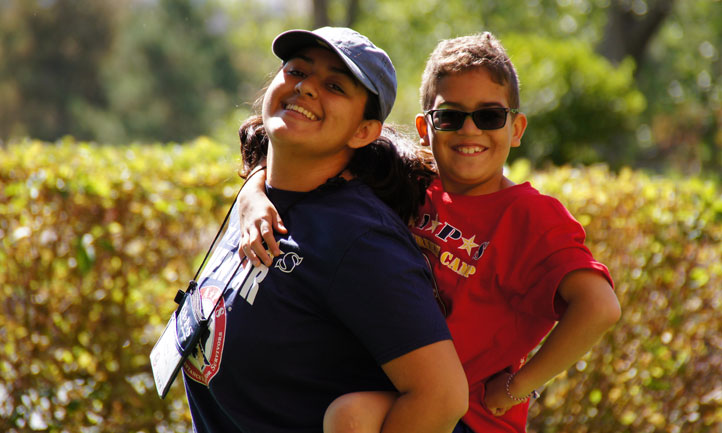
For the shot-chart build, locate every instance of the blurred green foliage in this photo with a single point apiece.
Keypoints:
(112, 72)
(95, 240)
(163, 70)
(682, 82)
(171, 77)
(50, 60)
(581, 109)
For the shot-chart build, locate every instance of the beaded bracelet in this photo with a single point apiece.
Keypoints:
(534, 393)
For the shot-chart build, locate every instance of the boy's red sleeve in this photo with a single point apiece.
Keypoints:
(553, 246)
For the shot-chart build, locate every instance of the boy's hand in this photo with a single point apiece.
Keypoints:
(259, 219)
(495, 399)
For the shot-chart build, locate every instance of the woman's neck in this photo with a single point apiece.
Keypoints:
(301, 173)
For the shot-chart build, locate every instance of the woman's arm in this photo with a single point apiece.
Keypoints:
(433, 391)
(592, 309)
(258, 221)
(432, 397)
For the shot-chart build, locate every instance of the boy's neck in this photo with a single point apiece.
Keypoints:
(488, 187)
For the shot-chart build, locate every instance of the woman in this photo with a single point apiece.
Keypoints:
(347, 304)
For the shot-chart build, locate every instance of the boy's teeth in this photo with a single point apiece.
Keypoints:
(470, 149)
(301, 110)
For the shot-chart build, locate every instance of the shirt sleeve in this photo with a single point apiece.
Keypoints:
(383, 293)
(553, 247)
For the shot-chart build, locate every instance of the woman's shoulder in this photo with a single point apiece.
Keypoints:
(353, 207)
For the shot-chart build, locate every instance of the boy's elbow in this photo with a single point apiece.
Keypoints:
(594, 296)
(607, 309)
(614, 312)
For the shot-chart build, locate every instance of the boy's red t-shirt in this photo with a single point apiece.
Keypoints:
(498, 260)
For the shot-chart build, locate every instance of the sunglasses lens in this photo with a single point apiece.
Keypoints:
(489, 118)
(448, 120)
(453, 120)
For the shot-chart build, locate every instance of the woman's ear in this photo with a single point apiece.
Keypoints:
(368, 131)
(422, 129)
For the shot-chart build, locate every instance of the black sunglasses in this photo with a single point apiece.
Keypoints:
(486, 118)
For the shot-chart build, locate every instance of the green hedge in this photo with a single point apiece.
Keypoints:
(95, 240)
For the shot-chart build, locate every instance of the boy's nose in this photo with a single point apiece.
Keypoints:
(469, 127)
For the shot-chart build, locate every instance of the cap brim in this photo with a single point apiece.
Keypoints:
(288, 43)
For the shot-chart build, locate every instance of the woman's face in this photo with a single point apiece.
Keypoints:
(313, 106)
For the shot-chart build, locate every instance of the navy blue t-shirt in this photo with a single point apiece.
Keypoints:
(350, 292)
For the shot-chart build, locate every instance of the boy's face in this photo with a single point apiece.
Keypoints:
(471, 160)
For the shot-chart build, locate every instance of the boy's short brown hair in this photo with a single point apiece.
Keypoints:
(465, 53)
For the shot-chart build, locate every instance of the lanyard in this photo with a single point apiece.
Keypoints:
(193, 284)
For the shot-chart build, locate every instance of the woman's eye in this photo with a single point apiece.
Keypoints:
(296, 73)
(336, 88)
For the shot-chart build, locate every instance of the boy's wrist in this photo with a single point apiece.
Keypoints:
(517, 393)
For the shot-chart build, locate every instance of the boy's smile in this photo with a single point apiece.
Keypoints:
(471, 160)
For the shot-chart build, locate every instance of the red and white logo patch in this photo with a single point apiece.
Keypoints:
(203, 364)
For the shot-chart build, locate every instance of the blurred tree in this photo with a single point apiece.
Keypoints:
(50, 57)
(674, 45)
(321, 13)
(171, 75)
(581, 108)
(631, 26)
(166, 74)
(681, 78)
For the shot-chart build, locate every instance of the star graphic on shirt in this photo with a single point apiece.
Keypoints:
(468, 244)
(435, 223)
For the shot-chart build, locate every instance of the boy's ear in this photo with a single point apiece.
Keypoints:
(517, 129)
(368, 131)
(422, 129)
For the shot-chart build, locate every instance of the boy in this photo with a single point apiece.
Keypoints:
(508, 261)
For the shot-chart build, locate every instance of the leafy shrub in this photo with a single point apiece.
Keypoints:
(581, 108)
(95, 240)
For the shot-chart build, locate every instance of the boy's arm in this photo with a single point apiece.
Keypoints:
(259, 219)
(592, 309)
(433, 391)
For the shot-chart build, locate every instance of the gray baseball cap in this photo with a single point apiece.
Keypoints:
(370, 64)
